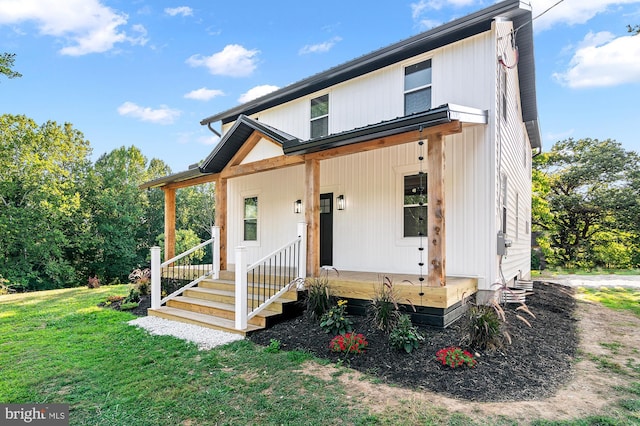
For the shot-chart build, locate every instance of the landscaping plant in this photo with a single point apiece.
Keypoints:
(455, 357)
(384, 306)
(485, 328)
(335, 320)
(318, 296)
(405, 336)
(350, 343)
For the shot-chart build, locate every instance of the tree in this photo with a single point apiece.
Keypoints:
(584, 185)
(125, 223)
(42, 209)
(6, 65)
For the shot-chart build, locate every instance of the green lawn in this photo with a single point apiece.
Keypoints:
(59, 347)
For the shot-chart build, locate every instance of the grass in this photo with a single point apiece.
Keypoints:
(578, 271)
(621, 299)
(59, 347)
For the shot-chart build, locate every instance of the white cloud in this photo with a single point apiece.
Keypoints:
(204, 94)
(87, 26)
(417, 9)
(256, 92)
(162, 115)
(320, 47)
(234, 60)
(602, 60)
(208, 140)
(181, 10)
(427, 24)
(571, 12)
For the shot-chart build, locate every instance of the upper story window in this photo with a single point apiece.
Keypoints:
(417, 87)
(415, 205)
(250, 219)
(320, 116)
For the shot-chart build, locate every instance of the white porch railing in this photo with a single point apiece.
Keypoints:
(180, 268)
(268, 278)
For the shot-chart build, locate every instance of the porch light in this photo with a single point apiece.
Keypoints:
(341, 202)
(297, 206)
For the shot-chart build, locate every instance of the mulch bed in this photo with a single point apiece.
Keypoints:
(533, 366)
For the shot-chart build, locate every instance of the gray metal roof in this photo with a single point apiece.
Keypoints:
(236, 137)
(451, 32)
(433, 117)
(172, 178)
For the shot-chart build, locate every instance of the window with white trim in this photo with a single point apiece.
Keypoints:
(415, 205)
(250, 232)
(319, 116)
(417, 87)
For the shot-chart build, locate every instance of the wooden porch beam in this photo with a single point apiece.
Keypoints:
(246, 148)
(312, 215)
(169, 223)
(221, 219)
(192, 182)
(261, 166)
(436, 231)
(408, 137)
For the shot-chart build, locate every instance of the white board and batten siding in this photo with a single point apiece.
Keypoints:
(513, 163)
(368, 233)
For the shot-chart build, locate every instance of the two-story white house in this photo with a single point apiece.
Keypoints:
(413, 161)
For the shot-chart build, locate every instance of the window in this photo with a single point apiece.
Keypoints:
(417, 87)
(251, 219)
(320, 116)
(415, 205)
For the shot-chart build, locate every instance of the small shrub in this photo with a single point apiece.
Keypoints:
(133, 297)
(274, 346)
(93, 282)
(384, 306)
(113, 299)
(405, 336)
(455, 357)
(485, 328)
(335, 320)
(318, 296)
(350, 343)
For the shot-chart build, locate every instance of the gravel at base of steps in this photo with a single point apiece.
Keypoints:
(205, 338)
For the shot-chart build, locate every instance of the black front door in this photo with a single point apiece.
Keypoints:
(326, 229)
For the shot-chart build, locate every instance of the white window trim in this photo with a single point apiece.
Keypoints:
(327, 115)
(400, 173)
(249, 243)
(416, 89)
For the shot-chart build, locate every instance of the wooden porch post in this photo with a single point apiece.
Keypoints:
(436, 232)
(169, 223)
(312, 214)
(221, 219)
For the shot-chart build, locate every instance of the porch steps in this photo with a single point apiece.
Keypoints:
(212, 304)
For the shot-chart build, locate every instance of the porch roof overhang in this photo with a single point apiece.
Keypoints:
(459, 29)
(424, 120)
(186, 175)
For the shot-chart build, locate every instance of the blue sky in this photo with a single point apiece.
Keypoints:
(145, 73)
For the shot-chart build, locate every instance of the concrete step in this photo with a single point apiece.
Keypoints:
(203, 320)
(217, 309)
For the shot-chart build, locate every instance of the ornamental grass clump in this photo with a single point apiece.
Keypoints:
(384, 306)
(485, 328)
(335, 320)
(318, 296)
(350, 343)
(405, 336)
(455, 357)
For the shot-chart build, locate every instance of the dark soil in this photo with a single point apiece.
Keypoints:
(533, 366)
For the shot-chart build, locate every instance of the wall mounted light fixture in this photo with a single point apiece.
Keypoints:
(341, 203)
(297, 206)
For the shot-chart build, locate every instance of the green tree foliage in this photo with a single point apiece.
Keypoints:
(6, 65)
(195, 209)
(584, 199)
(42, 211)
(125, 219)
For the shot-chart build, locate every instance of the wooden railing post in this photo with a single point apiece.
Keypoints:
(302, 266)
(241, 288)
(215, 250)
(156, 278)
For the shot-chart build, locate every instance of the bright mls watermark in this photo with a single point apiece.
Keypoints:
(34, 414)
